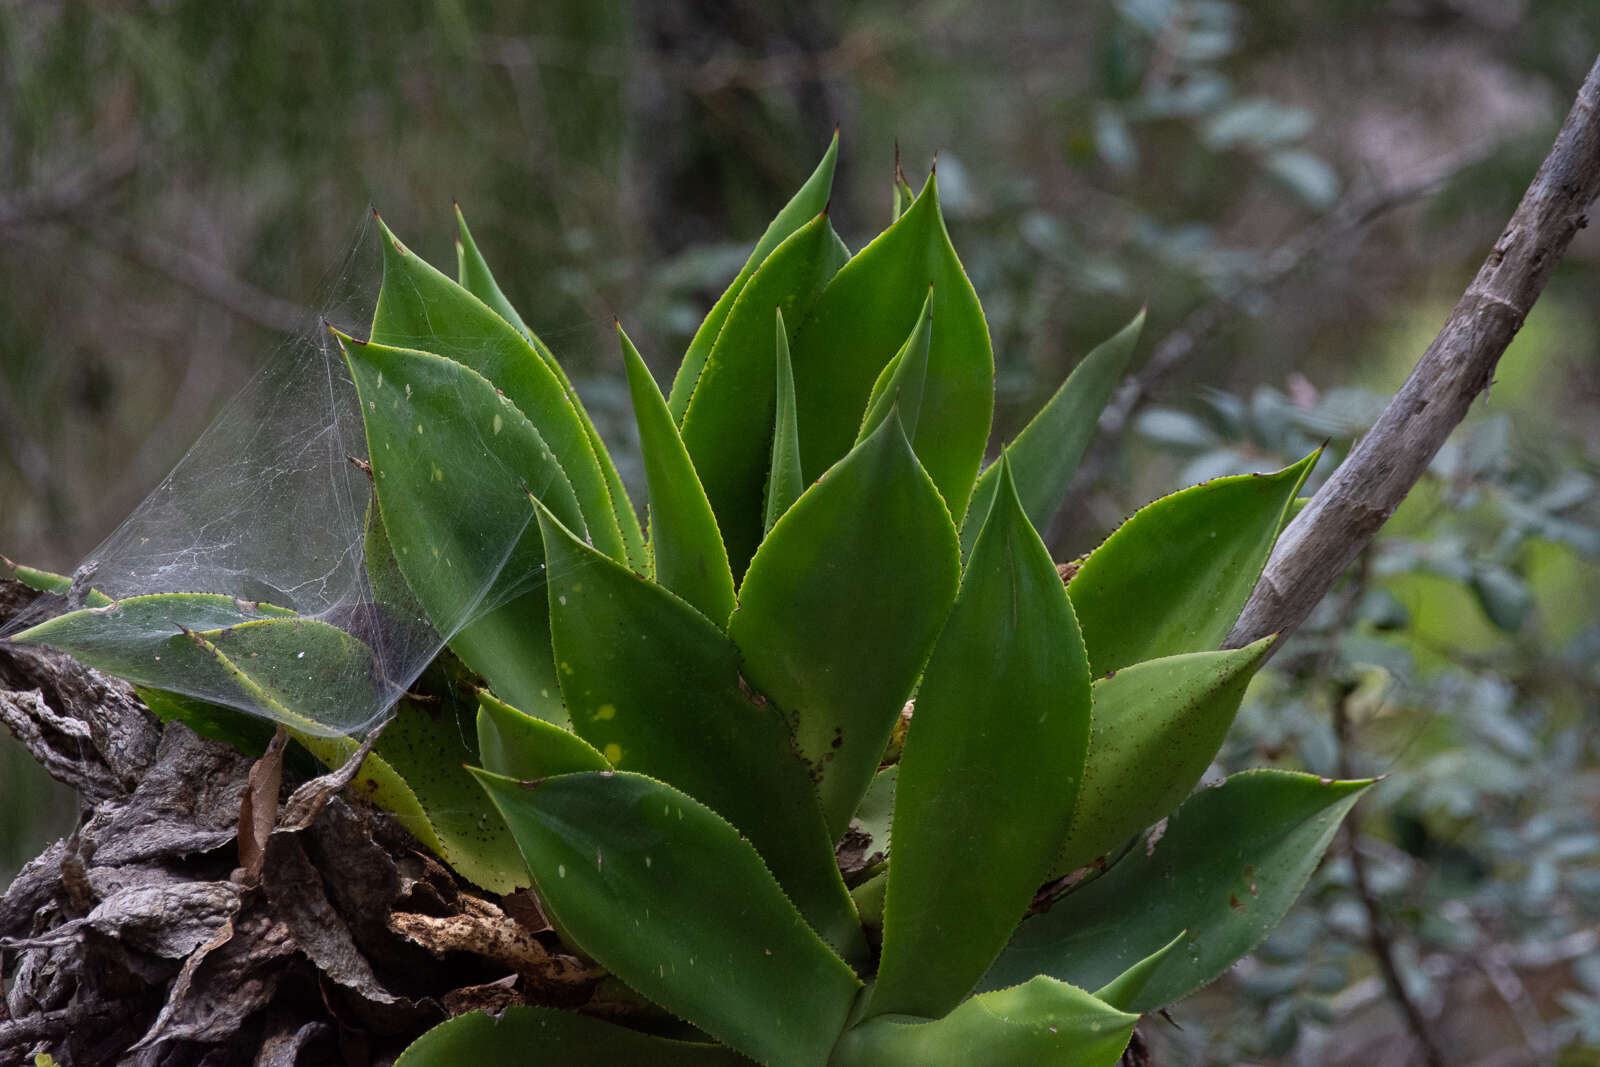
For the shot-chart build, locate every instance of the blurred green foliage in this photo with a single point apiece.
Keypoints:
(1459, 660)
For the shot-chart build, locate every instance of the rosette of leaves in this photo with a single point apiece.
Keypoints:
(829, 760)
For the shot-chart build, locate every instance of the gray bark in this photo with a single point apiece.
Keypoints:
(1347, 511)
(139, 939)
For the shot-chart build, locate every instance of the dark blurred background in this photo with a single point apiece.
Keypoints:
(1297, 189)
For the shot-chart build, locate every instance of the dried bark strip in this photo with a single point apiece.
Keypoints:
(1345, 515)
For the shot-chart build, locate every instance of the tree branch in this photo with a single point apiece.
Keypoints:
(1345, 515)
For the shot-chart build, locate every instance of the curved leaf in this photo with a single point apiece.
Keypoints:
(1040, 1021)
(428, 747)
(1125, 988)
(1045, 454)
(50, 582)
(621, 862)
(655, 687)
(1173, 578)
(1231, 862)
(247, 733)
(301, 672)
(841, 607)
(685, 546)
(473, 274)
(900, 385)
(530, 1035)
(422, 309)
(1157, 726)
(859, 323)
(477, 280)
(810, 201)
(518, 745)
(453, 462)
(784, 480)
(728, 423)
(903, 193)
(989, 772)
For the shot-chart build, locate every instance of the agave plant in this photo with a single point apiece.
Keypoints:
(831, 761)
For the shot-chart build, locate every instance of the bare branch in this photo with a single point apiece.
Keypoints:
(75, 201)
(194, 273)
(1345, 515)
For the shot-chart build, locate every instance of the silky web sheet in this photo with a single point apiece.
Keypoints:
(256, 574)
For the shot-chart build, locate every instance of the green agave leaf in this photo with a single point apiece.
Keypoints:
(841, 607)
(1231, 862)
(1296, 506)
(859, 323)
(875, 815)
(1040, 1021)
(1157, 726)
(728, 423)
(50, 582)
(287, 668)
(319, 676)
(685, 546)
(1125, 988)
(473, 274)
(428, 747)
(529, 1035)
(868, 897)
(785, 483)
(422, 309)
(904, 195)
(655, 687)
(1046, 453)
(900, 385)
(297, 671)
(990, 769)
(247, 733)
(809, 202)
(518, 745)
(453, 462)
(621, 862)
(1173, 578)
(477, 280)
(381, 785)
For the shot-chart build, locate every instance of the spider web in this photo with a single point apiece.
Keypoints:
(272, 508)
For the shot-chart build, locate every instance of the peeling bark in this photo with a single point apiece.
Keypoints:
(139, 939)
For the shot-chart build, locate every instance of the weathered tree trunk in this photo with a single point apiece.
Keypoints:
(142, 938)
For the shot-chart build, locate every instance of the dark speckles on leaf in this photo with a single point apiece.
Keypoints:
(752, 694)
